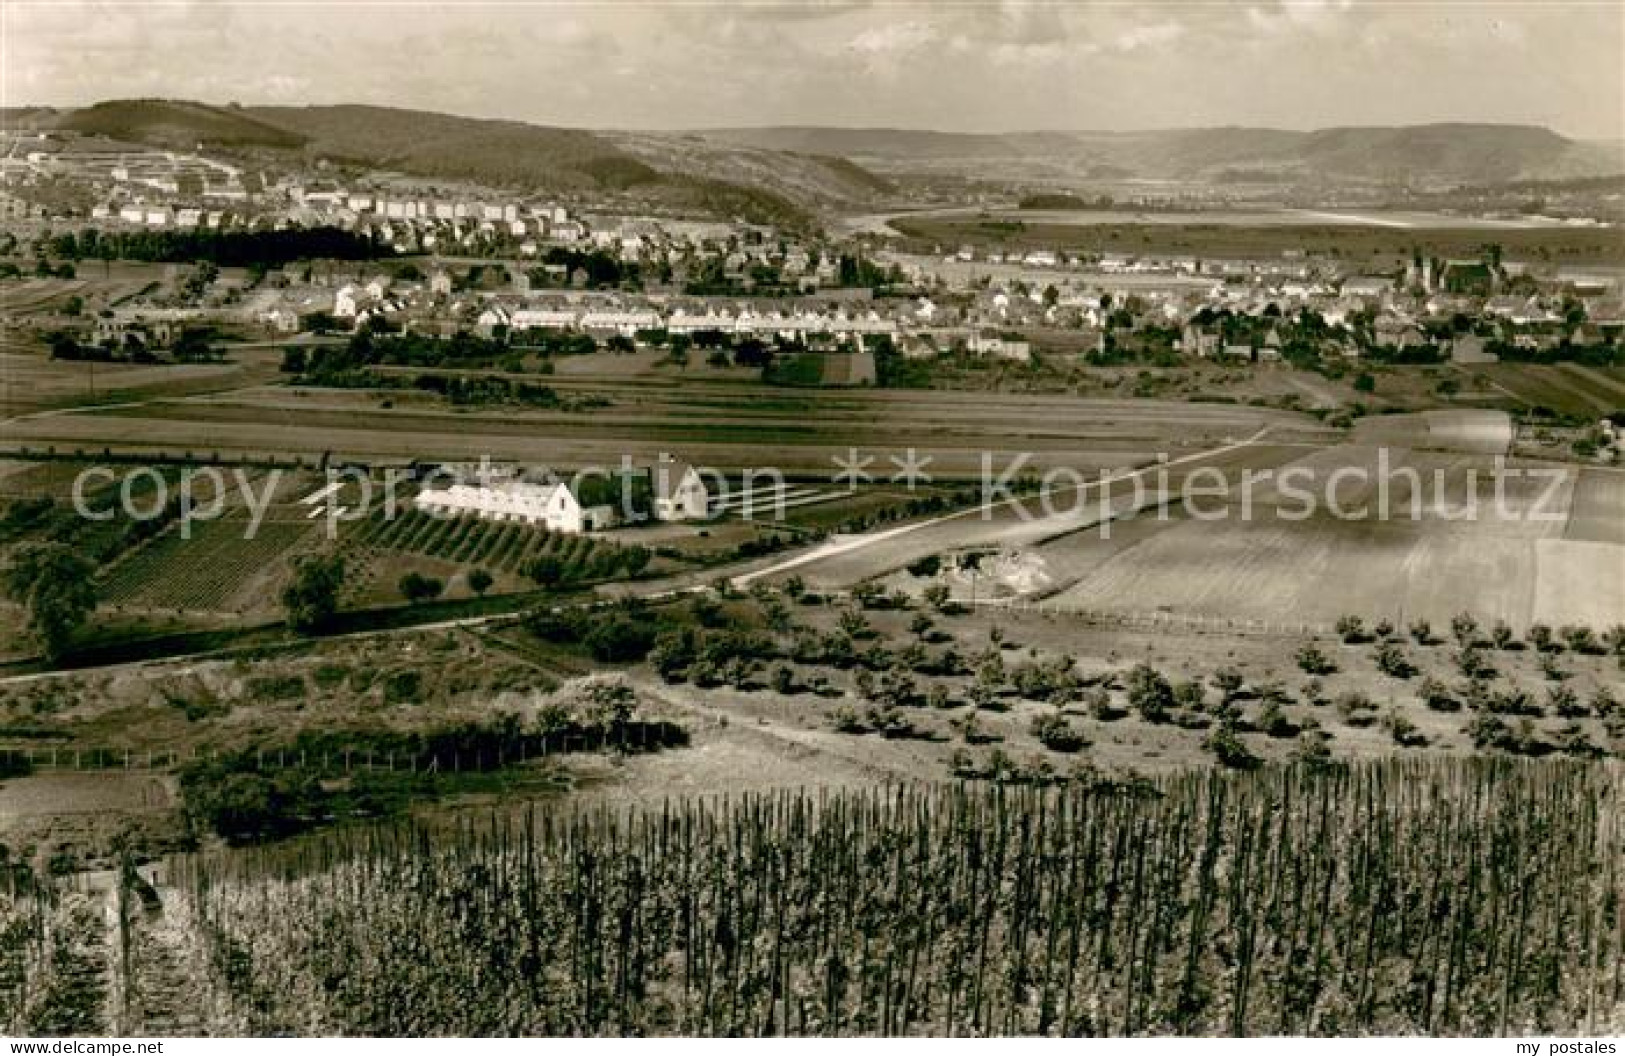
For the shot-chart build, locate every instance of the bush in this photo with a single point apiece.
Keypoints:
(403, 687)
(1313, 750)
(619, 641)
(926, 567)
(1229, 749)
(416, 587)
(1392, 661)
(275, 687)
(1437, 696)
(1273, 721)
(1356, 708)
(1056, 734)
(1566, 703)
(1402, 730)
(1313, 661)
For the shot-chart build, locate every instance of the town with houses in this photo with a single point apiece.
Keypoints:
(500, 265)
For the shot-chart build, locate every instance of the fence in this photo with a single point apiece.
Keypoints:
(631, 738)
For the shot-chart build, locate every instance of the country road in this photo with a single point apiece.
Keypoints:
(1023, 529)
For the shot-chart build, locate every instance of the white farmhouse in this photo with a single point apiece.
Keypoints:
(679, 492)
(345, 302)
(551, 506)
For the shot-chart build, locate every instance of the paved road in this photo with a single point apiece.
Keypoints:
(1074, 516)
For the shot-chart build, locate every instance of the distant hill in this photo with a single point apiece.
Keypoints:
(457, 148)
(1441, 153)
(788, 174)
(813, 179)
(177, 125)
(772, 189)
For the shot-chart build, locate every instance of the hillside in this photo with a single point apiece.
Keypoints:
(766, 188)
(176, 124)
(814, 179)
(1424, 154)
(458, 148)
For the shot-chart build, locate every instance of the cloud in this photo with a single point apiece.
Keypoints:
(1294, 16)
(894, 39)
(1152, 36)
(986, 64)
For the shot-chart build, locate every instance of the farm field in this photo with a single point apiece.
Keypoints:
(1512, 563)
(714, 425)
(380, 549)
(31, 383)
(1597, 511)
(1379, 245)
(1026, 523)
(782, 890)
(1567, 388)
(230, 565)
(220, 569)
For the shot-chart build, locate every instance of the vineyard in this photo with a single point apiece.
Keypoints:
(507, 548)
(1447, 897)
(216, 570)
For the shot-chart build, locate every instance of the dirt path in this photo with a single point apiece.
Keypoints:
(162, 998)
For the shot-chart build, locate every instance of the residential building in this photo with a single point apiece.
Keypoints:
(679, 491)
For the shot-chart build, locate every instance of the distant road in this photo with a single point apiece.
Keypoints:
(1059, 521)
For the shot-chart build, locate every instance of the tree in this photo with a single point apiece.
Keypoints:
(416, 587)
(619, 640)
(56, 586)
(479, 581)
(606, 703)
(545, 570)
(925, 567)
(312, 598)
(1149, 693)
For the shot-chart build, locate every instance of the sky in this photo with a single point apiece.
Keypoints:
(953, 65)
